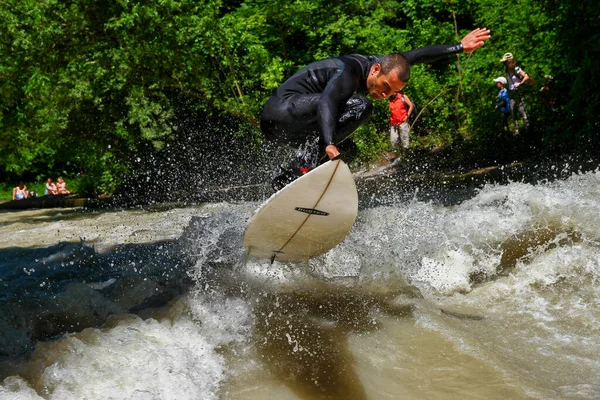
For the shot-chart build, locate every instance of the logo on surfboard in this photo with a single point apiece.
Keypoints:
(312, 211)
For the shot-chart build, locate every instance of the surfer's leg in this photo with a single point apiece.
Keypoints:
(291, 121)
(306, 159)
(356, 112)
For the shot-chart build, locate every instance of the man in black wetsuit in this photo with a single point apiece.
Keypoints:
(325, 102)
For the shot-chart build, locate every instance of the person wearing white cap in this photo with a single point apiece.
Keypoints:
(503, 101)
(515, 78)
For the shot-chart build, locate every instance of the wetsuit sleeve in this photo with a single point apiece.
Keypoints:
(337, 92)
(430, 54)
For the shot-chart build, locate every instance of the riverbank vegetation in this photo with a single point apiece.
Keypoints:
(97, 87)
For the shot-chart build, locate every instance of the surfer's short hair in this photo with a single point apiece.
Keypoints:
(396, 62)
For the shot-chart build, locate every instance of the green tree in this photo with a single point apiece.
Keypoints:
(85, 85)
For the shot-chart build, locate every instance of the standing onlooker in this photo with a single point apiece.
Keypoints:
(516, 77)
(400, 107)
(547, 92)
(503, 101)
(51, 187)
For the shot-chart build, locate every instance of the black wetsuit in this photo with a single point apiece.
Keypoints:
(326, 99)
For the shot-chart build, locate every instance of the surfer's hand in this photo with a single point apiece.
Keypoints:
(475, 39)
(332, 151)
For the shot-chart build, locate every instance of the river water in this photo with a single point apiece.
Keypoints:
(495, 297)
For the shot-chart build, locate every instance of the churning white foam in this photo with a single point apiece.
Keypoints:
(440, 248)
(136, 359)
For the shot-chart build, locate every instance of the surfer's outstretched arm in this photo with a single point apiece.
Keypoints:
(468, 44)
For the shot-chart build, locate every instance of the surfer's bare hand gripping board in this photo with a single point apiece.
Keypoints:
(306, 218)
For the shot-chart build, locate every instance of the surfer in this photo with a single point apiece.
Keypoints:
(325, 102)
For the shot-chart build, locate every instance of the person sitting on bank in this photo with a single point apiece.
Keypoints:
(61, 186)
(51, 188)
(503, 101)
(20, 192)
(400, 108)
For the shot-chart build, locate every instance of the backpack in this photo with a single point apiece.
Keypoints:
(414, 113)
(531, 80)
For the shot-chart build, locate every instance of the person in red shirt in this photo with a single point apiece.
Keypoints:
(400, 107)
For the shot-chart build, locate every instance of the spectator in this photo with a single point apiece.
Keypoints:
(516, 77)
(503, 101)
(50, 188)
(20, 192)
(548, 95)
(61, 187)
(400, 107)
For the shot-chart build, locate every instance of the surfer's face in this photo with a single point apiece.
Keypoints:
(382, 86)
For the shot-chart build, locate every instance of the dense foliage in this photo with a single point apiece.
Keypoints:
(86, 85)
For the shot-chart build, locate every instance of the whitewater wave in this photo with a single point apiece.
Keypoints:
(506, 281)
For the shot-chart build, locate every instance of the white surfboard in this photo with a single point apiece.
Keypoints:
(306, 218)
